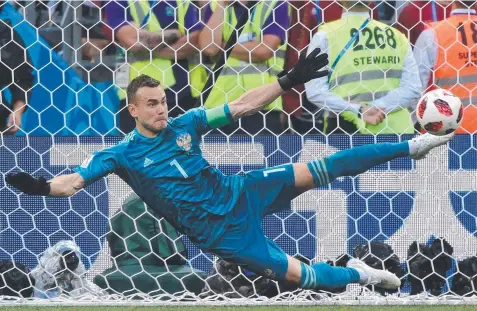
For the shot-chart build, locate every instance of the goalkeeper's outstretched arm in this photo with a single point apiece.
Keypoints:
(100, 164)
(254, 100)
(307, 68)
(60, 186)
(66, 185)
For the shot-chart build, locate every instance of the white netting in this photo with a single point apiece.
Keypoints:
(79, 48)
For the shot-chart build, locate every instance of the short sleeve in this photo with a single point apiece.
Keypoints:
(100, 164)
(192, 19)
(197, 119)
(278, 22)
(208, 13)
(200, 121)
(117, 14)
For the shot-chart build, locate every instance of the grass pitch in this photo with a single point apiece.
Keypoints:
(251, 308)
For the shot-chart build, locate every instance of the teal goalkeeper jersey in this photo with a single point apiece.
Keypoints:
(170, 174)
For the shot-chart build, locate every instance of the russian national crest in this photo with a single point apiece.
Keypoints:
(184, 141)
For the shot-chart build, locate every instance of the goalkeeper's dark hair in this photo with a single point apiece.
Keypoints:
(139, 82)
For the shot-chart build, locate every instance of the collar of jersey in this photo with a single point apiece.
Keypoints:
(149, 138)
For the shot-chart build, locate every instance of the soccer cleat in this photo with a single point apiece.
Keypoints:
(379, 278)
(420, 146)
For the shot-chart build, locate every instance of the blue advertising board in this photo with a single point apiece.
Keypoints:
(397, 202)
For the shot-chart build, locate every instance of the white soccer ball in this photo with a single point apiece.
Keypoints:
(439, 112)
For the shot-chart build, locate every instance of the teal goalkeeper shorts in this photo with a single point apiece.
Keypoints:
(244, 242)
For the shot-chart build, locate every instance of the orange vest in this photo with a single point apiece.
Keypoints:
(456, 65)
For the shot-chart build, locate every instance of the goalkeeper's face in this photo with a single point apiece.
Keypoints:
(149, 108)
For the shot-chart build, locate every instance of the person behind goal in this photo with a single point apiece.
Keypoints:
(162, 162)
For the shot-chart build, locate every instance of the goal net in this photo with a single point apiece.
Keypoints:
(415, 218)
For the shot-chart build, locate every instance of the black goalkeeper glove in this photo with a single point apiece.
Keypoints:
(307, 68)
(28, 184)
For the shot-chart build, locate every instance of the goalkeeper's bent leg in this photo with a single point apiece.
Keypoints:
(354, 161)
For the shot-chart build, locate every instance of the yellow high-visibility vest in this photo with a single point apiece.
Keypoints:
(368, 70)
(238, 76)
(158, 68)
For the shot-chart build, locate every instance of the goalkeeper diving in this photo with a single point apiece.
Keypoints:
(162, 162)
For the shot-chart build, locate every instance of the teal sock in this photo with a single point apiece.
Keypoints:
(354, 161)
(322, 275)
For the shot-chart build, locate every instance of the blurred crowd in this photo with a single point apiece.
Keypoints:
(384, 55)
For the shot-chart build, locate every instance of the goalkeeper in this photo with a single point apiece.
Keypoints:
(162, 161)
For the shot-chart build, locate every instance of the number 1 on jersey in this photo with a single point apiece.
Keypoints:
(179, 167)
(273, 170)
